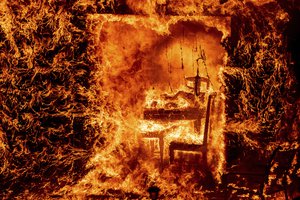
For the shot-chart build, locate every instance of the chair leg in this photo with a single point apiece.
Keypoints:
(171, 152)
(161, 151)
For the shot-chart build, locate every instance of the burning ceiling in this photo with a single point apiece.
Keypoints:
(115, 99)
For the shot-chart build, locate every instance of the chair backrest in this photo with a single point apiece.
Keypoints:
(207, 123)
(197, 82)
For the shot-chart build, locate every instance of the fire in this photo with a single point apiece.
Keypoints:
(142, 70)
(115, 99)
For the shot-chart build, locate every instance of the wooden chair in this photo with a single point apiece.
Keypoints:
(195, 114)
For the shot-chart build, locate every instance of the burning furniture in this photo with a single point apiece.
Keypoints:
(202, 148)
(195, 113)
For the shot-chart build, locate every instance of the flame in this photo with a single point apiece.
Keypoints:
(77, 76)
(132, 78)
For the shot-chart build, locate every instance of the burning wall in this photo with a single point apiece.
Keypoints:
(59, 113)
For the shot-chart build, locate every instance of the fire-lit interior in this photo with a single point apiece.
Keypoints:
(156, 99)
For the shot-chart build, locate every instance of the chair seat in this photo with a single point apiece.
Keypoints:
(186, 147)
(180, 146)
